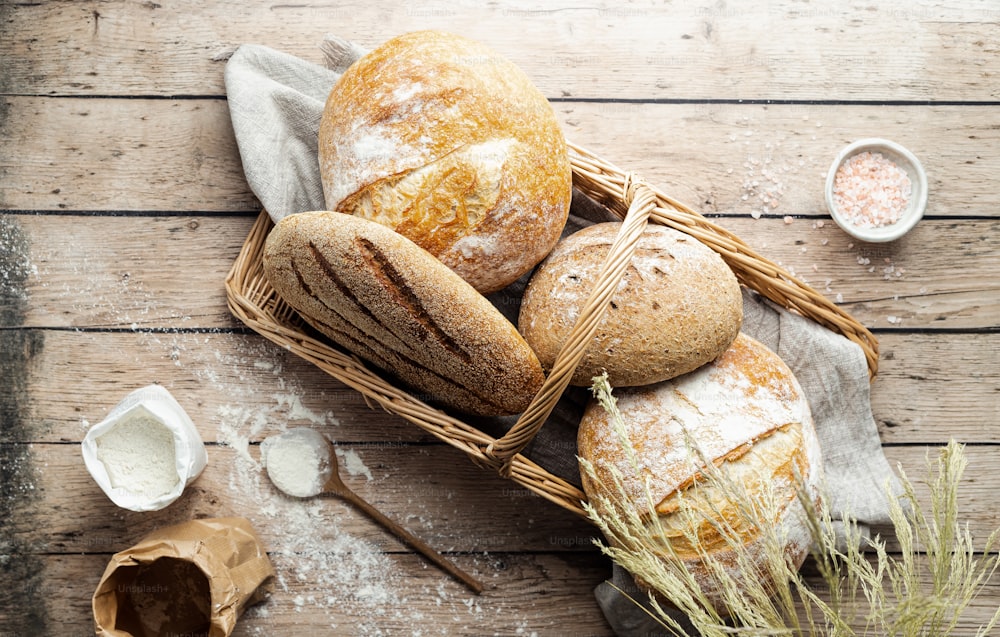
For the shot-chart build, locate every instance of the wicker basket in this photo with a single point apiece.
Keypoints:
(255, 303)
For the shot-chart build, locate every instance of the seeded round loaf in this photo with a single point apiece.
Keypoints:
(450, 144)
(677, 307)
(389, 301)
(746, 414)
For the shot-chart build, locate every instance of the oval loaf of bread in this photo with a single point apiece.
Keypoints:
(443, 140)
(392, 303)
(745, 413)
(677, 307)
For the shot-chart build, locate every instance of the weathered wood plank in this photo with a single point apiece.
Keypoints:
(432, 490)
(927, 383)
(739, 158)
(168, 272)
(157, 272)
(535, 594)
(938, 275)
(531, 594)
(453, 505)
(930, 387)
(892, 51)
(181, 156)
(78, 376)
(120, 154)
(974, 504)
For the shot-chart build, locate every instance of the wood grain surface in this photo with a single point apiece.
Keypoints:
(123, 204)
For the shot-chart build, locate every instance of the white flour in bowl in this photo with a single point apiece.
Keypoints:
(139, 456)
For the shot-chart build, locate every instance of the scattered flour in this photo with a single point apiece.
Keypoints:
(328, 570)
(298, 411)
(324, 567)
(352, 463)
(323, 571)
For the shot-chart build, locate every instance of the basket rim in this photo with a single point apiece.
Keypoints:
(254, 302)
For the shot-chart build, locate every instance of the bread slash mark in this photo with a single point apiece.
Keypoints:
(406, 368)
(364, 344)
(395, 284)
(377, 352)
(309, 292)
(331, 274)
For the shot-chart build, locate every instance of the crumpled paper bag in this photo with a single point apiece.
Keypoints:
(193, 578)
(276, 120)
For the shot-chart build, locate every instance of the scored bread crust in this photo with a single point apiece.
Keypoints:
(677, 307)
(451, 145)
(744, 412)
(389, 301)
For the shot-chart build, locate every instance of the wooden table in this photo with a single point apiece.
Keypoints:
(124, 204)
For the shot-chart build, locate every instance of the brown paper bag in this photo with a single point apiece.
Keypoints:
(193, 578)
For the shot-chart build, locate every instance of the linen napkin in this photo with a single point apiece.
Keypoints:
(276, 101)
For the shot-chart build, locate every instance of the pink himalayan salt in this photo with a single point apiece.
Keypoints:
(871, 191)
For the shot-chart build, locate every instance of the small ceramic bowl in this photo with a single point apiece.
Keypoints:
(918, 194)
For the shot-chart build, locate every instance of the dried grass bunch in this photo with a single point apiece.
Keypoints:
(863, 589)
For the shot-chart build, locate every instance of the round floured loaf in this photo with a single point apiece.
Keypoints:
(745, 413)
(384, 298)
(451, 145)
(677, 307)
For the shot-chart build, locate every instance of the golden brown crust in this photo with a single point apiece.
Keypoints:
(448, 143)
(387, 300)
(744, 412)
(678, 306)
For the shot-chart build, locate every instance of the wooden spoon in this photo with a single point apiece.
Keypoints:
(299, 441)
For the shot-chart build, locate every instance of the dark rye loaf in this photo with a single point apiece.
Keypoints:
(389, 301)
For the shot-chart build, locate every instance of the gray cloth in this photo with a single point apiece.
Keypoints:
(275, 104)
(275, 101)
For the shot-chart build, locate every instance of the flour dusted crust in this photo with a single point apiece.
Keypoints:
(445, 141)
(677, 307)
(744, 412)
(389, 301)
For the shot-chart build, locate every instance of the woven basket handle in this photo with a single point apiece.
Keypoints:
(601, 181)
(641, 200)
